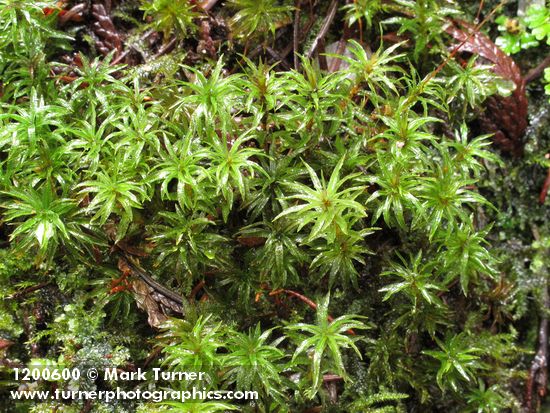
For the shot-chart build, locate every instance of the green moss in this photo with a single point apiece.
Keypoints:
(265, 191)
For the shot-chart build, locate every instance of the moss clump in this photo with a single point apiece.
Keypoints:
(342, 236)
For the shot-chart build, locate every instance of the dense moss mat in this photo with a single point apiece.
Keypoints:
(301, 199)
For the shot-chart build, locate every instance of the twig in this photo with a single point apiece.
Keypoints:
(87, 406)
(538, 373)
(208, 4)
(108, 5)
(545, 188)
(278, 57)
(330, 383)
(479, 9)
(332, 377)
(196, 290)
(311, 304)
(166, 48)
(284, 53)
(289, 48)
(323, 65)
(10, 364)
(122, 56)
(154, 354)
(296, 34)
(324, 28)
(340, 50)
(28, 290)
(537, 71)
(29, 332)
(136, 270)
(258, 49)
(332, 391)
(455, 50)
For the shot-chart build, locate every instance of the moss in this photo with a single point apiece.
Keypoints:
(269, 201)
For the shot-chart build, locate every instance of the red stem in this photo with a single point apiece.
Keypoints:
(545, 188)
(311, 304)
(196, 289)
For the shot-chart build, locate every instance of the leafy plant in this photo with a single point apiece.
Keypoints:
(362, 9)
(376, 71)
(326, 206)
(47, 222)
(186, 245)
(34, 127)
(514, 35)
(469, 153)
(136, 131)
(326, 339)
(94, 86)
(465, 255)
(424, 20)
(537, 19)
(192, 346)
(397, 188)
(258, 17)
(230, 161)
(526, 32)
(181, 162)
(200, 407)
(373, 404)
(472, 84)
(278, 259)
(171, 17)
(488, 400)
(417, 281)
(252, 363)
(338, 259)
(25, 32)
(207, 102)
(405, 133)
(443, 196)
(459, 361)
(90, 141)
(268, 199)
(115, 194)
(315, 93)
(15, 13)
